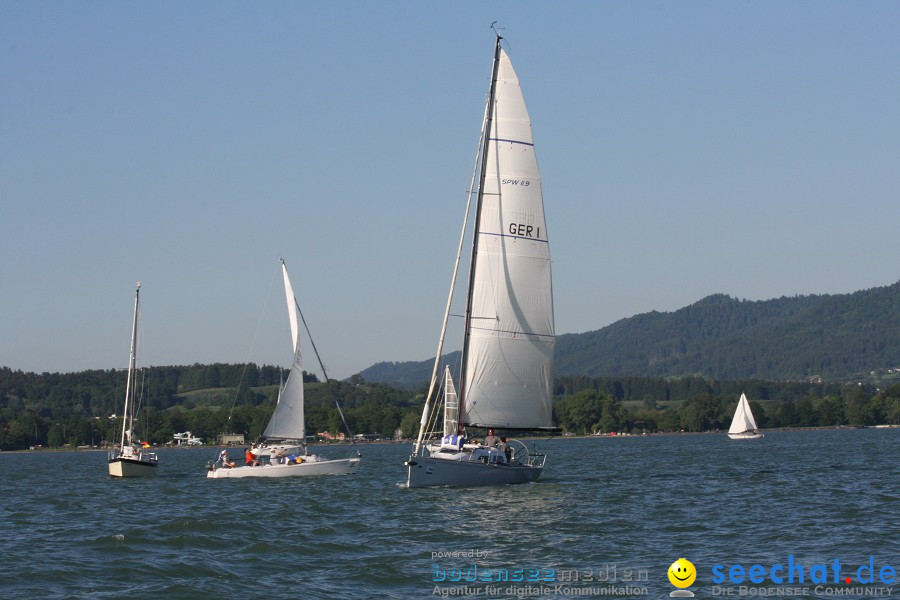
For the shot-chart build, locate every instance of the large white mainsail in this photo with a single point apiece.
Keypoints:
(287, 422)
(511, 335)
(743, 417)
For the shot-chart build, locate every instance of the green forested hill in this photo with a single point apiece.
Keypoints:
(835, 337)
(410, 375)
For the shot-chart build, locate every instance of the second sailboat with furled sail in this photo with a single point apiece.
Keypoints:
(506, 372)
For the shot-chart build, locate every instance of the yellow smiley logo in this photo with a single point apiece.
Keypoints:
(682, 573)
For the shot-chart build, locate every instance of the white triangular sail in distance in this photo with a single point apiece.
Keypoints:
(509, 369)
(743, 417)
(287, 422)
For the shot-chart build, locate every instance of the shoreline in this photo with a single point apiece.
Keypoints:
(561, 437)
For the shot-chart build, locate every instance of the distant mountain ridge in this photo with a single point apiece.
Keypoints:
(835, 337)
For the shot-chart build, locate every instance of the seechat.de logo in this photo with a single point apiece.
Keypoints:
(794, 572)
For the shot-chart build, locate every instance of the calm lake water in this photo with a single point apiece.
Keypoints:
(613, 508)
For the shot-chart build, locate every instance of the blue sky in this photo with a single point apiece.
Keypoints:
(689, 148)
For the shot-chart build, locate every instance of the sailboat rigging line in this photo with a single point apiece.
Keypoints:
(433, 417)
(138, 404)
(327, 380)
(250, 352)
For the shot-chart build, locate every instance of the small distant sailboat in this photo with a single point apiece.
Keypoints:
(130, 460)
(285, 453)
(743, 425)
(506, 372)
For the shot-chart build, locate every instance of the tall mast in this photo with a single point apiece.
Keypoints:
(128, 416)
(489, 120)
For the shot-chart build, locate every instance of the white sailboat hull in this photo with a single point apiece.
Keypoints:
(131, 467)
(746, 435)
(345, 466)
(427, 471)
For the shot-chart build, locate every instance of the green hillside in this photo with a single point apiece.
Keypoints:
(833, 337)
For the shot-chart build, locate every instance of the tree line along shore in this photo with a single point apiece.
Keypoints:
(53, 410)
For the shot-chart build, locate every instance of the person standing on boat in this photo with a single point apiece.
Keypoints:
(491, 440)
(507, 451)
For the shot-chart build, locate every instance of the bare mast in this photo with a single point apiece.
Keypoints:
(128, 416)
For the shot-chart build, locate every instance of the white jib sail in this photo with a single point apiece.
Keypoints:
(287, 421)
(743, 417)
(451, 405)
(509, 372)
